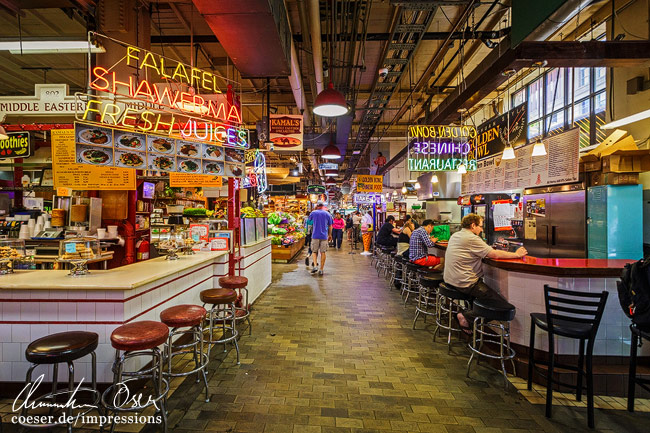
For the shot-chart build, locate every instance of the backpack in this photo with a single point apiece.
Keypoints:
(634, 291)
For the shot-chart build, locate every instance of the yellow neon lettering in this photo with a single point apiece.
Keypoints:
(112, 115)
(162, 68)
(89, 109)
(129, 54)
(196, 76)
(126, 117)
(205, 80)
(181, 72)
(147, 122)
(149, 61)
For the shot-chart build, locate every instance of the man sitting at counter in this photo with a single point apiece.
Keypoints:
(419, 244)
(385, 236)
(463, 263)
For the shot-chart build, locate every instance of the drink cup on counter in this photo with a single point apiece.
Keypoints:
(24, 232)
(37, 228)
(31, 223)
(47, 225)
(112, 231)
(101, 233)
(40, 220)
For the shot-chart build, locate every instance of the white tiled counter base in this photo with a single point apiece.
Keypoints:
(30, 314)
(256, 266)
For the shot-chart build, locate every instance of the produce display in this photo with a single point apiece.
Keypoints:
(285, 228)
(249, 212)
(197, 212)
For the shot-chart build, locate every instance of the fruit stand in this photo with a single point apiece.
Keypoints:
(288, 236)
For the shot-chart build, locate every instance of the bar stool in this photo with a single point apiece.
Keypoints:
(223, 310)
(429, 282)
(448, 305)
(133, 340)
(574, 315)
(412, 285)
(486, 312)
(239, 283)
(186, 320)
(397, 272)
(55, 349)
(637, 336)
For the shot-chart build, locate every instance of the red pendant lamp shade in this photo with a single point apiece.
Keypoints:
(330, 181)
(330, 103)
(331, 172)
(331, 152)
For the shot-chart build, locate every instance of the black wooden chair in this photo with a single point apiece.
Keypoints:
(637, 335)
(574, 315)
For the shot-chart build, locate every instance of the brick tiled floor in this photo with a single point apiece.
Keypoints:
(337, 354)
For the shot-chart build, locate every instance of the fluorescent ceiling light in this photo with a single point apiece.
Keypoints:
(629, 119)
(49, 47)
(356, 152)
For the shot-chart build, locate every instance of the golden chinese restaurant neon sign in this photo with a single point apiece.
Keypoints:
(144, 107)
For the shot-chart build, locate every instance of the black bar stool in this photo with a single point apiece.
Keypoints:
(60, 348)
(492, 326)
(133, 340)
(397, 275)
(428, 292)
(569, 314)
(412, 285)
(448, 305)
(186, 320)
(637, 336)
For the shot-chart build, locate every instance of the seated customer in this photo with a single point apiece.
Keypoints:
(421, 241)
(463, 263)
(385, 236)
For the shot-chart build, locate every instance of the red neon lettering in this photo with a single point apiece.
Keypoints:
(99, 72)
(129, 85)
(144, 89)
(234, 114)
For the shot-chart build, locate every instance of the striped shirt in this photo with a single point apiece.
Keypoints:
(419, 244)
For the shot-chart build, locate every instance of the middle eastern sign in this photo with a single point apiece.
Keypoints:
(369, 183)
(69, 174)
(286, 131)
(494, 134)
(440, 147)
(16, 146)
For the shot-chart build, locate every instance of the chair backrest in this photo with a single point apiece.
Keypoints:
(574, 306)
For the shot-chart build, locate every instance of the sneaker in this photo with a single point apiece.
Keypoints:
(366, 253)
(320, 273)
(307, 261)
(314, 270)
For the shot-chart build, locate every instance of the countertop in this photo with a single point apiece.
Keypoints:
(123, 278)
(578, 268)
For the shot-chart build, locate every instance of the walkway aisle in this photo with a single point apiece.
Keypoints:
(337, 354)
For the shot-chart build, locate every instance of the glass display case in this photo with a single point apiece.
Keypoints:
(81, 248)
(12, 255)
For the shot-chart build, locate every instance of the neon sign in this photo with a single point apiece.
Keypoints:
(257, 175)
(440, 147)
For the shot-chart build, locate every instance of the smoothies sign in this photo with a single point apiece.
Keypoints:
(180, 101)
(440, 147)
(16, 146)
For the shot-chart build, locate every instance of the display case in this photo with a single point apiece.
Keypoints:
(12, 254)
(81, 248)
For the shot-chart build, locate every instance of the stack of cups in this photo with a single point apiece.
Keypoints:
(112, 232)
(24, 232)
(31, 224)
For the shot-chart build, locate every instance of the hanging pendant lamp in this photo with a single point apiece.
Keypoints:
(508, 153)
(331, 172)
(434, 178)
(331, 152)
(330, 103)
(330, 181)
(539, 149)
(462, 169)
(417, 185)
(404, 190)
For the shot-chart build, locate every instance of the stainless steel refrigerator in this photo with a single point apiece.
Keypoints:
(555, 222)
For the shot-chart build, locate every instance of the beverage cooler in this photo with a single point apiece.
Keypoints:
(554, 222)
(482, 205)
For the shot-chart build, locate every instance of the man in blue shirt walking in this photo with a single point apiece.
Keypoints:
(321, 234)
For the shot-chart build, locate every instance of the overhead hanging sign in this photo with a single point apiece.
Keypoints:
(328, 166)
(16, 146)
(286, 132)
(194, 180)
(365, 198)
(440, 147)
(369, 183)
(316, 189)
(69, 174)
(48, 100)
(493, 135)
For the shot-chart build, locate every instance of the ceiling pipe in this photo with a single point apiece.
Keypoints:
(296, 85)
(316, 44)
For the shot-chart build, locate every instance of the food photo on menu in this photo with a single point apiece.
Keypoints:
(89, 134)
(129, 140)
(186, 165)
(161, 162)
(234, 155)
(234, 170)
(127, 159)
(213, 152)
(101, 156)
(188, 149)
(213, 167)
(158, 144)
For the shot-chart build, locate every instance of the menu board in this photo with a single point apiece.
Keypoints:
(108, 147)
(194, 180)
(559, 166)
(68, 173)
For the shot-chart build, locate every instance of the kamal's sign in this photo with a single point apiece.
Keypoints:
(286, 131)
(16, 146)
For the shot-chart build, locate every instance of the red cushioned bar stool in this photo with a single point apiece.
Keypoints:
(134, 340)
(55, 349)
(186, 320)
(222, 316)
(240, 284)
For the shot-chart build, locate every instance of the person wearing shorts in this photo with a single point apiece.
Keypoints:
(321, 234)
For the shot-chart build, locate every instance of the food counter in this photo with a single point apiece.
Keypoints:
(36, 303)
(521, 282)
